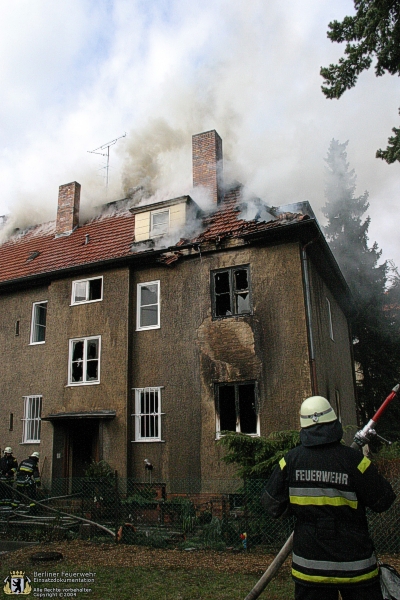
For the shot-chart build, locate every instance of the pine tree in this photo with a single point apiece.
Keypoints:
(373, 38)
(375, 328)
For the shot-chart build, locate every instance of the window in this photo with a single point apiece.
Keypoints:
(11, 422)
(31, 420)
(148, 305)
(38, 325)
(231, 292)
(87, 290)
(148, 414)
(236, 408)
(330, 324)
(84, 361)
(159, 222)
(17, 327)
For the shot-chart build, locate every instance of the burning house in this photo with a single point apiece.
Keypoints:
(147, 331)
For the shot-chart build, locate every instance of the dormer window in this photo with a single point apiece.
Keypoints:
(159, 222)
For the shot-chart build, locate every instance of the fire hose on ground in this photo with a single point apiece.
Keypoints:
(361, 438)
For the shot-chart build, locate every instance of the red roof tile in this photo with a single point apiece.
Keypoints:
(110, 236)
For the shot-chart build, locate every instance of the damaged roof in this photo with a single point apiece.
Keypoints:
(110, 237)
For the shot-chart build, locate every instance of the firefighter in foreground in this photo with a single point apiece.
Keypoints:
(8, 468)
(326, 486)
(28, 478)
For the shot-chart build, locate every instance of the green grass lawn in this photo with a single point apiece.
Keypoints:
(147, 584)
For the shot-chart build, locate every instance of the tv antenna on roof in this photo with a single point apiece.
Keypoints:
(106, 146)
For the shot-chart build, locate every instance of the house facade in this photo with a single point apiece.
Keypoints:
(149, 330)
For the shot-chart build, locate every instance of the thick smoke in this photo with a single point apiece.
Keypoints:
(165, 71)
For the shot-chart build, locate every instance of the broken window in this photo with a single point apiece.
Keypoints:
(147, 414)
(32, 419)
(87, 290)
(236, 408)
(231, 292)
(38, 325)
(159, 222)
(84, 363)
(148, 305)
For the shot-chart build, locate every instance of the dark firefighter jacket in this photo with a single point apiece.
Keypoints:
(327, 486)
(28, 472)
(8, 467)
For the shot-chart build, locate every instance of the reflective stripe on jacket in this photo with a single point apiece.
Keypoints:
(28, 472)
(8, 467)
(327, 488)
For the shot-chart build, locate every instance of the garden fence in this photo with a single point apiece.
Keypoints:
(219, 514)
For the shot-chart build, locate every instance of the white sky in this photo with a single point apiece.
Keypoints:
(76, 74)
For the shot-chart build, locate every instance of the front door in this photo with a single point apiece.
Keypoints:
(75, 447)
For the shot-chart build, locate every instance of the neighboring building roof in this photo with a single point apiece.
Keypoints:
(37, 251)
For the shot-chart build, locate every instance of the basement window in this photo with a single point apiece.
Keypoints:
(230, 289)
(32, 419)
(87, 290)
(38, 323)
(236, 408)
(148, 305)
(84, 361)
(147, 414)
(159, 222)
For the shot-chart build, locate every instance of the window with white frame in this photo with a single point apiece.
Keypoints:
(84, 360)
(159, 222)
(148, 305)
(236, 408)
(87, 290)
(38, 324)
(32, 419)
(147, 414)
(330, 322)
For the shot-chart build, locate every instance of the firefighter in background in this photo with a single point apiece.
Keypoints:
(28, 478)
(327, 486)
(8, 468)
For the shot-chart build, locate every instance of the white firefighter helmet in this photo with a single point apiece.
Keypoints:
(7, 450)
(35, 455)
(316, 409)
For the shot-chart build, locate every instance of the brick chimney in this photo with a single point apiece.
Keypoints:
(69, 196)
(207, 163)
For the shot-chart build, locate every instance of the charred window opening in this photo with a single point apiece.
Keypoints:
(84, 361)
(236, 407)
(87, 290)
(231, 292)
